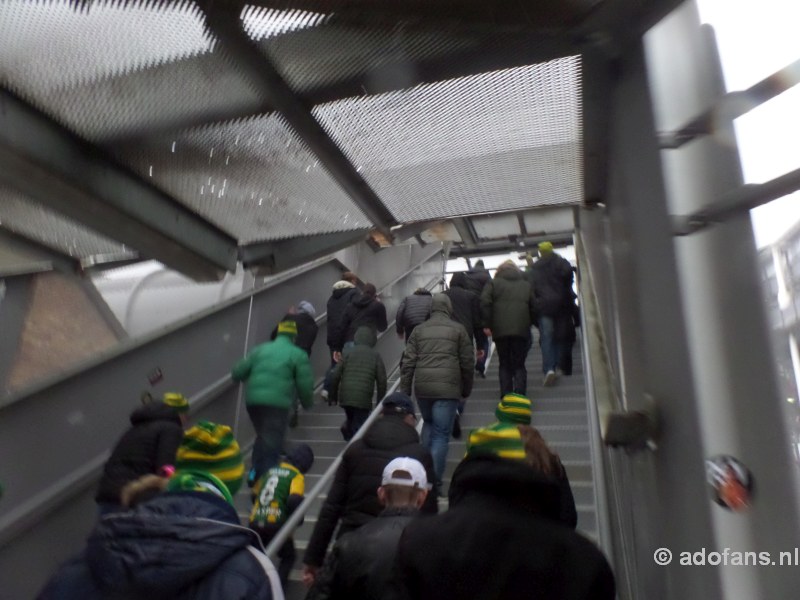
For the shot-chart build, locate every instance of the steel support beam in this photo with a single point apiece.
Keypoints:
(466, 232)
(226, 25)
(273, 257)
(33, 257)
(520, 244)
(732, 106)
(53, 166)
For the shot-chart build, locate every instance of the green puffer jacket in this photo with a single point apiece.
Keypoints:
(354, 379)
(273, 371)
(439, 357)
(507, 303)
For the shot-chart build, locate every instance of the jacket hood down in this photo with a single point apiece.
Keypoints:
(365, 336)
(165, 545)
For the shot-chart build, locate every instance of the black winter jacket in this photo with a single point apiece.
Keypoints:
(148, 445)
(466, 308)
(364, 310)
(510, 543)
(439, 356)
(307, 330)
(353, 497)
(551, 279)
(360, 563)
(178, 546)
(477, 278)
(355, 378)
(413, 310)
(343, 293)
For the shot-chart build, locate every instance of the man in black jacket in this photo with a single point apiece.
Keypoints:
(475, 280)
(148, 445)
(413, 310)
(510, 544)
(364, 310)
(352, 497)
(343, 293)
(360, 562)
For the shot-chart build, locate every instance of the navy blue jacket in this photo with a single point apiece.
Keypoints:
(182, 546)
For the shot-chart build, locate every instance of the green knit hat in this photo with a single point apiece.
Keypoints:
(287, 327)
(176, 401)
(514, 408)
(500, 439)
(211, 448)
(198, 481)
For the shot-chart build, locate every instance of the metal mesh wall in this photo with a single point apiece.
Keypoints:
(253, 178)
(495, 141)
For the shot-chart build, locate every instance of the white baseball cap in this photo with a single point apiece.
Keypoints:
(405, 471)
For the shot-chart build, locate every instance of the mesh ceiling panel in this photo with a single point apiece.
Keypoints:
(253, 178)
(31, 220)
(114, 69)
(496, 226)
(497, 141)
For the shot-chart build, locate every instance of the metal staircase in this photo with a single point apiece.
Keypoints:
(559, 412)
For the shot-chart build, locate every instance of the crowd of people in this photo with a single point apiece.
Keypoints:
(167, 526)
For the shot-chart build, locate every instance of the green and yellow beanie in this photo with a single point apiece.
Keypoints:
(198, 481)
(211, 448)
(499, 439)
(176, 401)
(514, 408)
(287, 327)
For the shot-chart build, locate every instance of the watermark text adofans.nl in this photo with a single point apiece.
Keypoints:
(727, 557)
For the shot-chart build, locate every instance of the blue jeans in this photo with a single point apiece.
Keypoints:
(548, 343)
(270, 423)
(438, 415)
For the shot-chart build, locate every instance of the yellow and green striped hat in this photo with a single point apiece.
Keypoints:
(514, 408)
(211, 448)
(287, 327)
(176, 401)
(499, 439)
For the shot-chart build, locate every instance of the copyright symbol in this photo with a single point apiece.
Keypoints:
(662, 556)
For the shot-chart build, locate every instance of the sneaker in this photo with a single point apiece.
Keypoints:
(252, 477)
(293, 420)
(457, 428)
(549, 378)
(324, 394)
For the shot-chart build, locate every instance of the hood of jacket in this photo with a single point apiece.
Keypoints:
(363, 300)
(164, 545)
(342, 285)
(155, 411)
(508, 271)
(511, 480)
(441, 304)
(365, 336)
(459, 280)
(390, 431)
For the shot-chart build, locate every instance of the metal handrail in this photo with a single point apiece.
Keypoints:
(299, 514)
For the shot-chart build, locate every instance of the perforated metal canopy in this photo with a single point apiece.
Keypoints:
(196, 132)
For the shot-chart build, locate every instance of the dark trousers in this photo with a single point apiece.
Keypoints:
(326, 385)
(480, 364)
(286, 554)
(270, 423)
(511, 353)
(356, 417)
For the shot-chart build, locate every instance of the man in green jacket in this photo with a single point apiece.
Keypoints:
(508, 309)
(272, 373)
(438, 359)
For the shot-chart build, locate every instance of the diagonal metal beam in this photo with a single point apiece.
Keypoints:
(274, 257)
(466, 232)
(519, 244)
(226, 25)
(58, 169)
(20, 255)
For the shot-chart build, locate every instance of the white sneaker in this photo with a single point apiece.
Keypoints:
(549, 379)
(324, 394)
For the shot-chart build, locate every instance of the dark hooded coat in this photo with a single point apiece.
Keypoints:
(510, 543)
(507, 303)
(355, 378)
(364, 310)
(439, 356)
(466, 308)
(413, 310)
(343, 294)
(178, 546)
(352, 497)
(149, 444)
